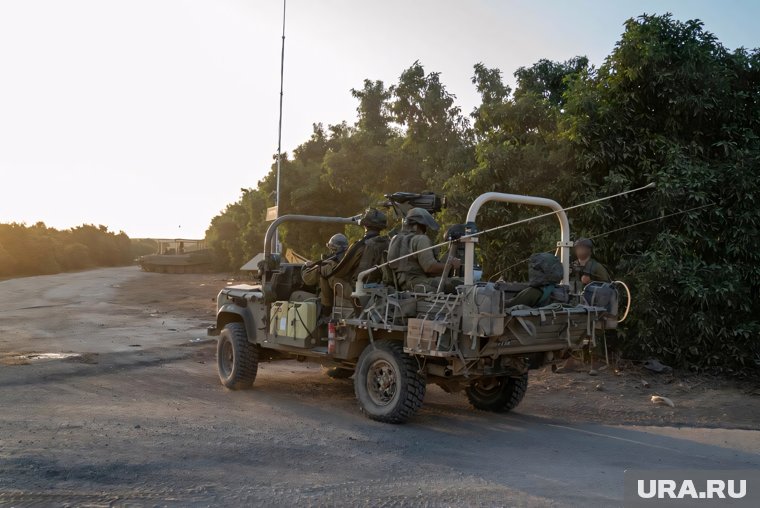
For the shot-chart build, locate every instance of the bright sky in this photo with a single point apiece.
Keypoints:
(148, 116)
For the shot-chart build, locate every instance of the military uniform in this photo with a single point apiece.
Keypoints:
(593, 268)
(412, 272)
(320, 274)
(530, 297)
(361, 256)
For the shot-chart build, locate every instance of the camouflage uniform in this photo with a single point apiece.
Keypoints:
(412, 272)
(361, 256)
(321, 273)
(593, 268)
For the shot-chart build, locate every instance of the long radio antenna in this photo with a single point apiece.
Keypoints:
(278, 247)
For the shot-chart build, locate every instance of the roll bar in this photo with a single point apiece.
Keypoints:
(471, 235)
(564, 225)
(299, 218)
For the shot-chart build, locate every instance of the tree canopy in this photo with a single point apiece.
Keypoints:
(41, 250)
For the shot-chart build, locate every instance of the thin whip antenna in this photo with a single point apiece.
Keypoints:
(652, 220)
(278, 247)
(680, 212)
(554, 212)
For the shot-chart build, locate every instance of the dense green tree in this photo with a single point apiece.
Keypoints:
(671, 105)
(521, 149)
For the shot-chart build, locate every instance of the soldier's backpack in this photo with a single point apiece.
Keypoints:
(543, 269)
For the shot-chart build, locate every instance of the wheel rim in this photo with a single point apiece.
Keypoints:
(226, 358)
(382, 382)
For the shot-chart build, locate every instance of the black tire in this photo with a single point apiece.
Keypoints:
(237, 360)
(387, 383)
(499, 395)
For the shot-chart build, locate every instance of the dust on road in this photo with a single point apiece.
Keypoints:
(132, 413)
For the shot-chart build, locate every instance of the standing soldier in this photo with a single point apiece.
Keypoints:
(585, 269)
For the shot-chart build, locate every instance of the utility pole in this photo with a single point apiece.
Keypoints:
(277, 245)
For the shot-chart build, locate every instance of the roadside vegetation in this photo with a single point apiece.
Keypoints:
(669, 105)
(41, 250)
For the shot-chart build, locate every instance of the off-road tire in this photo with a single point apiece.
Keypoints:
(387, 383)
(507, 393)
(237, 360)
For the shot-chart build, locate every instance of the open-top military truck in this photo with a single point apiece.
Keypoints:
(395, 342)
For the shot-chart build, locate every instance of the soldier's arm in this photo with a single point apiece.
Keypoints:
(601, 274)
(426, 259)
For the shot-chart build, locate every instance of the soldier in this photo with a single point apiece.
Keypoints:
(319, 273)
(585, 269)
(422, 268)
(367, 252)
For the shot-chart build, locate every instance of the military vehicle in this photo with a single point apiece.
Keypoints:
(396, 342)
(178, 256)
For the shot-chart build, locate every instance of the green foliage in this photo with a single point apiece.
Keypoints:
(669, 105)
(39, 250)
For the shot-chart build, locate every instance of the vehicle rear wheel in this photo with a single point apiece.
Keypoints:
(497, 394)
(237, 360)
(387, 383)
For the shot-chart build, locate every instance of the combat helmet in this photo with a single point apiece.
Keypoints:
(372, 218)
(422, 217)
(337, 243)
(584, 242)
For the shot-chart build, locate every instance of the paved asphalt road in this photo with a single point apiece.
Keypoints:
(139, 418)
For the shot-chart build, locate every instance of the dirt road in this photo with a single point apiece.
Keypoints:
(107, 397)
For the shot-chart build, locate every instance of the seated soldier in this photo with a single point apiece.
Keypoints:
(366, 253)
(585, 269)
(413, 261)
(318, 273)
(544, 273)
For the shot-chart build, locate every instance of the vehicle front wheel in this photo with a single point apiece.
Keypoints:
(387, 383)
(237, 360)
(497, 394)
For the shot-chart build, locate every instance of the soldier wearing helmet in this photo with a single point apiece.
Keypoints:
(416, 265)
(318, 273)
(367, 252)
(585, 269)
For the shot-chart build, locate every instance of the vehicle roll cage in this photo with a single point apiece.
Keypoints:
(469, 239)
